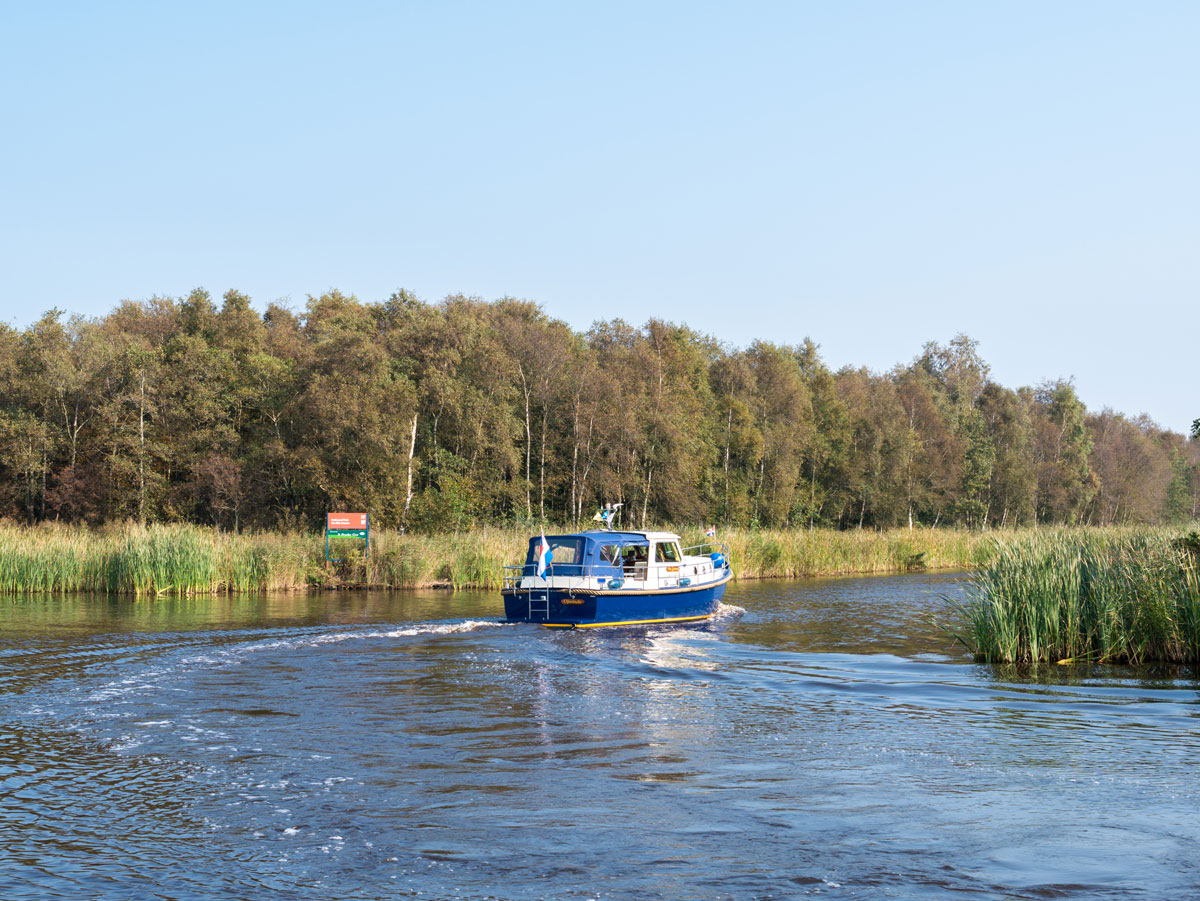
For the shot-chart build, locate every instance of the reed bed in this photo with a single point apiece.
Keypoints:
(174, 560)
(1097, 595)
(797, 553)
(1060, 595)
(183, 560)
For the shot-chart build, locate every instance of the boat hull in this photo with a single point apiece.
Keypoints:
(561, 608)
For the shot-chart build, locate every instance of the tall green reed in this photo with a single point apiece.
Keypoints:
(1116, 595)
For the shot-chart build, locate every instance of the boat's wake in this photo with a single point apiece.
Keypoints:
(470, 625)
(143, 679)
(727, 613)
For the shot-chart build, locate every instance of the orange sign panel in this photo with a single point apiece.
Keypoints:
(346, 521)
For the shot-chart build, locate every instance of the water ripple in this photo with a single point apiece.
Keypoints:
(820, 738)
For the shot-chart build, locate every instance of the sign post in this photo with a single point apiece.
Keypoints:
(347, 525)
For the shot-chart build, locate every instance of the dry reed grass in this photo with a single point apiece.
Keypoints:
(180, 560)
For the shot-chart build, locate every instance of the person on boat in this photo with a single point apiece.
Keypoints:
(636, 557)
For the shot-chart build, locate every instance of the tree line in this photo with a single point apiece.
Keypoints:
(439, 416)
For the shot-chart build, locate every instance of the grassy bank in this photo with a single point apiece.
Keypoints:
(1117, 596)
(183, 560)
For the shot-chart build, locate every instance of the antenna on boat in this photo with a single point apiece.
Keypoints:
(608, 514)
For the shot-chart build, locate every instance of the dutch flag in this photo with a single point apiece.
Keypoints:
(544, 557)
(711, 532)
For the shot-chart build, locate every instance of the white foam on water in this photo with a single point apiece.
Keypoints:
(140, 683)
(728, 611)
(471, 625)
(123, 744)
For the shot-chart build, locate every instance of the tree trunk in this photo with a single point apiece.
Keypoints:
(408, 492)
(762, 473)
(574, 458)
(728, 440)
(646, 496)
(30, 481)
(812, 496)
(587, 467)
(528, 446)
(142, 451)
(542, 472)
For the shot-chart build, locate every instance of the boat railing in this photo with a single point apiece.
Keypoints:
(582, 573)
(707, 549)
(577, 571)
(513, 576)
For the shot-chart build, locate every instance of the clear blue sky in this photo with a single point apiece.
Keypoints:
(872, 175)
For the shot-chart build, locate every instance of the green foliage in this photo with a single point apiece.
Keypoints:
(1062, 447)
(461, 414)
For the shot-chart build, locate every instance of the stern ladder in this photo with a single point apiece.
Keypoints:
(539, 604)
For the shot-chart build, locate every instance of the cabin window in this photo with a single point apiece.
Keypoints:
(667, 552)
(610, 553)
(633, 557)
(565, 551)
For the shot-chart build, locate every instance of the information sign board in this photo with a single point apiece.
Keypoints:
(347, 525)
(346, 521)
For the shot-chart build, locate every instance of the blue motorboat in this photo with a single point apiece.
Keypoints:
(609, 578)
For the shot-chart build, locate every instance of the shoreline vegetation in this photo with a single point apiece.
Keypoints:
(1067, 595)
(227, 434)
(1124, 596)
(180, 559)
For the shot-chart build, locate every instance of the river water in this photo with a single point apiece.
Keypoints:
(822, 737)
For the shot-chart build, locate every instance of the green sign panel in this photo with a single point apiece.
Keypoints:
(347, 533)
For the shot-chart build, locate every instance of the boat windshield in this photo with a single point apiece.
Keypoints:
(666, 552)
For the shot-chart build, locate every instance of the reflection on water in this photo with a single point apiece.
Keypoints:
(823, 737)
